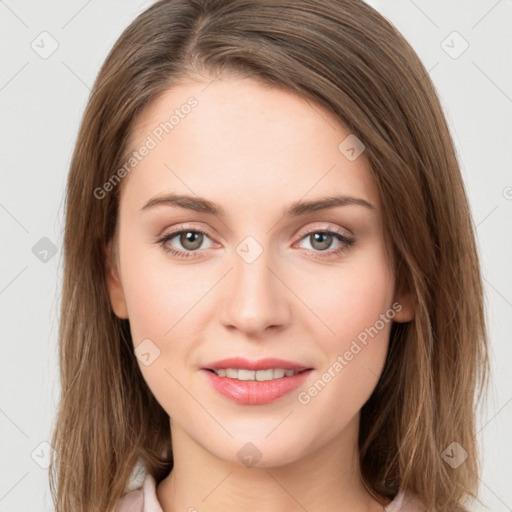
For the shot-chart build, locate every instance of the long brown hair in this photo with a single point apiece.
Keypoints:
(348, 58)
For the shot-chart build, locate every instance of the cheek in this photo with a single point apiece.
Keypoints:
(160, 307)
(355, 307)
(158, 294)
(350, 298)
(163, 302)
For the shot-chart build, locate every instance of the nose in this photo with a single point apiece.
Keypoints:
(256, 299)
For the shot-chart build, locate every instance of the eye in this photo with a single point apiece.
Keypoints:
(190, 239)
(321, 240)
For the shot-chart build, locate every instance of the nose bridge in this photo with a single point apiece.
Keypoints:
(256, 299)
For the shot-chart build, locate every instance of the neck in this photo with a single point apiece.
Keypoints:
(324, 479)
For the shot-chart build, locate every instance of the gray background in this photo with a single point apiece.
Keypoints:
(42, 98)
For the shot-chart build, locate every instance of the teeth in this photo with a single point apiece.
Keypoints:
(259, 375)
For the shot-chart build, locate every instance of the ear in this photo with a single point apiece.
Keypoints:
(115, 288)
(404, 310)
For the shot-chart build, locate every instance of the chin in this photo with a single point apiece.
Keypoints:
(260, 452)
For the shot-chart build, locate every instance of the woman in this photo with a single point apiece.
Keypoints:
(272, 297)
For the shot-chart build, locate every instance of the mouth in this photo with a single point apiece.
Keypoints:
(255, 382)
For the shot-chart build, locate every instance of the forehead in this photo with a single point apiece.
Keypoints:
(239, 139)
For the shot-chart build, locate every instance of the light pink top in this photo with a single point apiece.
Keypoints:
(144, 499)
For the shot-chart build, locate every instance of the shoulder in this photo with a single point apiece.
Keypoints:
(132, 501)
(405, 501)
(143, 499)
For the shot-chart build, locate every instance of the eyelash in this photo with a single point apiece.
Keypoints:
(346, 241)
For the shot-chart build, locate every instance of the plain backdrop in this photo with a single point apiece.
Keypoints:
(50, 54)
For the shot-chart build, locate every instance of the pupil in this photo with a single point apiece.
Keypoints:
(324, 239)
(191, 240)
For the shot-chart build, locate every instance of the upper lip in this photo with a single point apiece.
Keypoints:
(260, 364)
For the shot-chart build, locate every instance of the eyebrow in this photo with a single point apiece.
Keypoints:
(297, 208)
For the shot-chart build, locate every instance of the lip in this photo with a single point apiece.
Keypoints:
(261, 364)
(253, 392)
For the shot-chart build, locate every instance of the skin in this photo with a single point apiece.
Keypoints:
(254, 150)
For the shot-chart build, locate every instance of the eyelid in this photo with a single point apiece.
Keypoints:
(322, 226)
(184, 227)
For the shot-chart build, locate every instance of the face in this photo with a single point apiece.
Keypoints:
(313, 287)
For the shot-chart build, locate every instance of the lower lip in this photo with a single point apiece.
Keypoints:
(253, 392)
